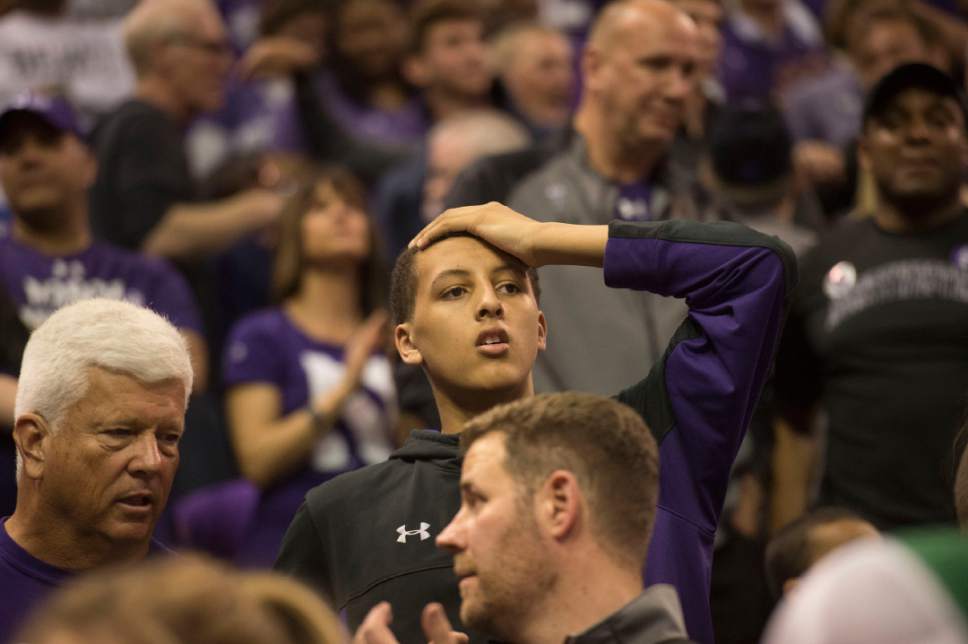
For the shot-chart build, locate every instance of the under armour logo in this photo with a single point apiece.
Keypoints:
(404, 533)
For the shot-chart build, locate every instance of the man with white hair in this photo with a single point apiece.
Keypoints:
(99, 414)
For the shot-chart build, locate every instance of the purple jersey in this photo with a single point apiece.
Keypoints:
(40, 284)
(266, 347)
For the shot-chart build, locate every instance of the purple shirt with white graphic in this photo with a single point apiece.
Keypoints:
(40, 284)
(266, 347)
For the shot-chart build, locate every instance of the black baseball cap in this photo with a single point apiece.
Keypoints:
(54, 110)
(750, 145)
(912, 75)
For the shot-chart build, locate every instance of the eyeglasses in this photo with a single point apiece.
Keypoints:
(212, 47)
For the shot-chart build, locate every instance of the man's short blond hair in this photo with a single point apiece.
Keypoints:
(154, 22)
(604, 443)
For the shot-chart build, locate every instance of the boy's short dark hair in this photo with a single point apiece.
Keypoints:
(403, 282)
(607, 447)
(426, 14)
(789, 554)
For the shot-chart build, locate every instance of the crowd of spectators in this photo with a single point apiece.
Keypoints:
(252, 169)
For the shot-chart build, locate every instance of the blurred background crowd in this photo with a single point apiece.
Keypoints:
(251, 168)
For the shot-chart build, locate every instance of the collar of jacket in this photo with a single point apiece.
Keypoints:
(654, 616)
(429, 445)
(670, 187)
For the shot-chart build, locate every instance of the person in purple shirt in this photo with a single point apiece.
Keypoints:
(466, 310)
(309, 394)
(100, 411)
(49, 258)
(767, 44)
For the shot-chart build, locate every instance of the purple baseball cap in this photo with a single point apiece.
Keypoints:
(55, 110)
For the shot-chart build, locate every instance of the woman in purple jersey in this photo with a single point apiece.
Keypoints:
(309, 392)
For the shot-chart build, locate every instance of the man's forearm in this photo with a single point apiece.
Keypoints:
(570, 244)
(192, 230)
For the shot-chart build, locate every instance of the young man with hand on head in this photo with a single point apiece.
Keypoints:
(466, 309)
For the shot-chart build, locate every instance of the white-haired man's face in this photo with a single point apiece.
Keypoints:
(107, 469)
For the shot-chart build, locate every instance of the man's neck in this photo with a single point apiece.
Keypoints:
(768, 18)
(456, 407)
(155, 92)
(53, 542)
(591, 590)
(443, 103)
(328, 303)
(610, 157)
(71, 236)
(917, 217)
(387, 95)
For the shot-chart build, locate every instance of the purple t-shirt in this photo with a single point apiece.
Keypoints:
(24, 580)
(754, 66)
(40, 284)
(266, 347)
(403, 126)
(257, 116)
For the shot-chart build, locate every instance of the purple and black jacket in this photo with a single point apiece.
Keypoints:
(366, 536)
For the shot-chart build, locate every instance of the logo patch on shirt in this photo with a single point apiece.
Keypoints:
(840, 280)
(404, 533)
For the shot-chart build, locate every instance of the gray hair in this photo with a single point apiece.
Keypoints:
(153, 22)
(483, 132)
(110, 334)
(506, 43)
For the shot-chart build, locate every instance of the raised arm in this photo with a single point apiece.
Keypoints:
(701, 395)
(533, 242)
(735, 282)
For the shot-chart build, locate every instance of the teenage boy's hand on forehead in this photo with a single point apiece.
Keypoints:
(534, 243)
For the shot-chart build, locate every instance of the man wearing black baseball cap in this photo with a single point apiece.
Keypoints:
(877, 337)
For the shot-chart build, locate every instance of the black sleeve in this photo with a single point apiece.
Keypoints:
(150, 175)
(303, 554)
(798, 375)
(14, 337)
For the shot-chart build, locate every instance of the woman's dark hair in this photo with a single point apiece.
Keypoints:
(289, 260)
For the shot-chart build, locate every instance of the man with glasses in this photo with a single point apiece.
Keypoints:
(143, 198)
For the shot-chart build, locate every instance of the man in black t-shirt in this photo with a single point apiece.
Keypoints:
(879, 336)
(143, 197)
